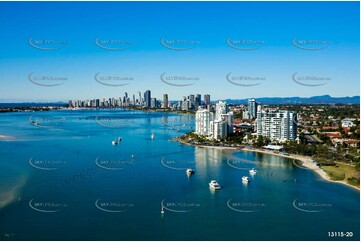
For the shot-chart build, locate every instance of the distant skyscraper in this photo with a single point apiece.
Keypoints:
(139, 98)
(191, 98)
(199, 99)
(207, 99)
(252, 108)
(186, 104)
(165, 101)
(147, 98)
(153, 102)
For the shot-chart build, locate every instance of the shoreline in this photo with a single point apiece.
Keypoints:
(306, 161)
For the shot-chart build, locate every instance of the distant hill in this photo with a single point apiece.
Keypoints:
(325, 99)
(32, 104)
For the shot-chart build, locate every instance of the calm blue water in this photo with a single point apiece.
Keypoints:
(61, 179)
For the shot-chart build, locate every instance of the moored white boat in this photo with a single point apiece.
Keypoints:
(245, 179)
(214, 185)
(190, 171)
(253, 171)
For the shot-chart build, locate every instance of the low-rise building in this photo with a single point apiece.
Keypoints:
(333, 135)
(347, 122)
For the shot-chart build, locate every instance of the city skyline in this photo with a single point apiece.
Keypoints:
(188, 102)
(278, 57)
(245, 99)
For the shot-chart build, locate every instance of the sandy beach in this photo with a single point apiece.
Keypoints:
(306, 162)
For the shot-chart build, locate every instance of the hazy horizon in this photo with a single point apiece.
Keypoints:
(160, 98)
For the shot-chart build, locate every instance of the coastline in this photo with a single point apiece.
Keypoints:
(306, 161)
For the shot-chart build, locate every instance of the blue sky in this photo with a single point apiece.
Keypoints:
(274, 24)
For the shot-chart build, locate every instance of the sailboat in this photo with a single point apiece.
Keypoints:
(162, 210)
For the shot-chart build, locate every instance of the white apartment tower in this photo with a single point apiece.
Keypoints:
(165, 101)
(203, 122)
(221, 108)
(252, 108)
(280, 125)
(216, 126)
